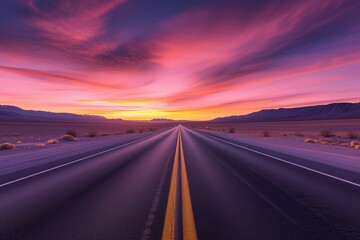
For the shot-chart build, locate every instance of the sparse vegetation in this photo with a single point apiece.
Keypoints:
(309, 140)
(326, 133)
(68, 137)
(354, 143)
(7, 146)
(152, 129)
(130, 131)
(92, 134)
(52, 141)
(141, 131)
(72, 133)
(353, 135)
(231, 130)
(266, 133)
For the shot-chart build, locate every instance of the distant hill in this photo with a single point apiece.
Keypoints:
(12, 113)
(161, 120)
(319, 112)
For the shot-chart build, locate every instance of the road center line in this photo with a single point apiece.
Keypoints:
(285, 161)
(189, 229)
(169, 225)
(188, 223)
(72, 162)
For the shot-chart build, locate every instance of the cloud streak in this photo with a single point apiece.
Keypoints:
(191, 59)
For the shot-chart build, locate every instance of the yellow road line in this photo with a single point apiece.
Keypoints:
(169, 225)
(189, 230)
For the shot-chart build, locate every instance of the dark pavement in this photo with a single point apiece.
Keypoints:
(224, 189)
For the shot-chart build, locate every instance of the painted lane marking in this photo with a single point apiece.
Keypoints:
(72, 162)
(285, 161)
(189, 229)
(155, 205)
(169, 225)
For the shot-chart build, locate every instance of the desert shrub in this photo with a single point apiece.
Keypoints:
(266, 133)
(40, 145)
(68, 137)
(357, 147)
(52, 141)
(354, 143)
(141, 131)
(130, 131)
(105, 134)
(152, 129)
(19, 142)
(7, 146)
(326, 133)
(309, 140)
(72, 133)
(353, 135)
(231, 130)
(92, 134)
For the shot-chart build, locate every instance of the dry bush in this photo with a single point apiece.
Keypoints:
(19, 142)
(130, 131)
(7, 146)
(357, 147)
(67, 137)
(353, 135)
(40, 144)
(152, 129)
(309, 140)
(52, 141)
(354, 143)
(92, 134)
(266, 133)
(326, 133)
(141, 131)
(231, 130)
(72, 133)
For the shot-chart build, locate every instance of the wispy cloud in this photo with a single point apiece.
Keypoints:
(189, 59)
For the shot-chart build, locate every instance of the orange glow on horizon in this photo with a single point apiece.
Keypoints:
(185, 62)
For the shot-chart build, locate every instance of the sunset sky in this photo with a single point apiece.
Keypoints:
(144, 59)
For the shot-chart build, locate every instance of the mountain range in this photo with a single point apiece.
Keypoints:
(319, 112)
(12, 113)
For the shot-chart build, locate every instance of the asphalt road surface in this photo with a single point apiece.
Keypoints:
(181, 184)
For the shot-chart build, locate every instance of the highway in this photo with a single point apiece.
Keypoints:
(181, 184)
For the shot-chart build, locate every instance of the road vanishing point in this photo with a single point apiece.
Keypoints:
(181, 183)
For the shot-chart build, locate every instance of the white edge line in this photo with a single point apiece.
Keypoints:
(69, 163)
(282, 160)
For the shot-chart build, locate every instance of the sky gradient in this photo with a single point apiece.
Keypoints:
(197, 60)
